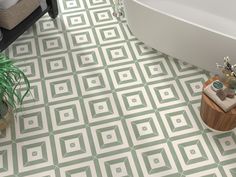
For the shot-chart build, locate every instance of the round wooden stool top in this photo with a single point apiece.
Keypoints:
(213, 115)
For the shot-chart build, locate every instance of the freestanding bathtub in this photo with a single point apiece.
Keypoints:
(200, 32)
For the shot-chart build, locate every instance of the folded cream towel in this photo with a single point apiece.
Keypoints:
(226, 104)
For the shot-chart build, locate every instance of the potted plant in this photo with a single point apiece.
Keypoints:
(228, 73)
(11, 77)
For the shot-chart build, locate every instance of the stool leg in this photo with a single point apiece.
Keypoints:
(53, 8)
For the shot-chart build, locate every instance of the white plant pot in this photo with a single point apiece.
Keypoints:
(5, 4)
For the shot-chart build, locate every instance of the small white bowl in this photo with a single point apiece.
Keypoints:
(5, 4)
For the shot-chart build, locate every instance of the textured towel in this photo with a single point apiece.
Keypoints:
(226, 104)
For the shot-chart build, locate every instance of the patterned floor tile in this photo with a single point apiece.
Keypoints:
(134, 101)
(52, 44)
(166, 94)
(56, 64)
(211, 172)
(125, 75)
(118, 165)
(157, 161)
(144, 129)
(109, 137)
(30, 68)
(6, 160)
(86, 169)
(128, 32)
(23, 49)
(32, 123)
(33, 154)
(87, 59)
(5, 135)
(193, 86)
(50, 173)
(142, 51)
(101, 108)
(117, 53)
(71, 5)
(81, 39)
(104, 104)
(35, 95)
(76, 20)
(224, 145)
(102, 16)
(98, 3)
(193, 152)
(155, 69)
(72, 145)
(178, 120)
(230, 170)
(182, 68)
(61, 88)
(66, 115)
(109, 34)
(46, 26)
(93, 82)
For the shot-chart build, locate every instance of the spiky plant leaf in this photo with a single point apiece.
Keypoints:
(11, 77)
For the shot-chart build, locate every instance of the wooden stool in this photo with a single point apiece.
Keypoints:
(213, 115)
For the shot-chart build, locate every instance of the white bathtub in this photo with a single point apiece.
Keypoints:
(200, 32)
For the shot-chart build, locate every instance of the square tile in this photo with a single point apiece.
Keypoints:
(157, 161)
(34, 153)
(144, 129)
(134, 101)
(6, 159)
(118, 165)
(102, 16)
(100, 108)
(124, 76)
(223, 144)
(76, 20)
(193, 86)
(52, 44)
(193, 152)
(61, 88)
(109, 34)
(178, 121)
(109, 137)
(56, 65)
(85, 169)
(81, 39)
(156, 69)
(93, 82)
(72, 145)
(31, 123)
(66, 115)
(117, 53)
(71, 5)
(166, 94)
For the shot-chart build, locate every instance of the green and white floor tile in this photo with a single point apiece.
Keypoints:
(103, 104)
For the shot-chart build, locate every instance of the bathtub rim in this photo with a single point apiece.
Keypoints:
(183, 20)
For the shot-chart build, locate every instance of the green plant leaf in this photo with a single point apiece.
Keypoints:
(11, 79)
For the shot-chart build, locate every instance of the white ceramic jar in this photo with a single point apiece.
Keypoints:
(5, 4)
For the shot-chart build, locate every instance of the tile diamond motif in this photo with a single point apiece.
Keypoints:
(144, 129)
(157, 161)
(193, 152)
(34, 153)
(134, 101)
(109, 137)
(72, 145)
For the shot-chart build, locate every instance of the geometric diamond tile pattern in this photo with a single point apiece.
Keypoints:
(103, 104)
